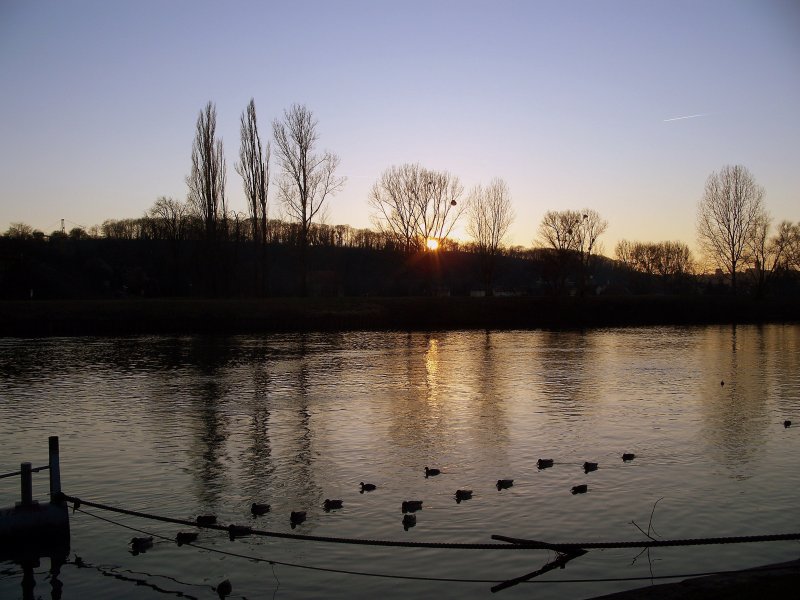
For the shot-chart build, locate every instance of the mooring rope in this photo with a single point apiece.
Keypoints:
(258, 559)
(33, 470)
(740, 539)
(288, 564)
(78, 502)
(511, 543)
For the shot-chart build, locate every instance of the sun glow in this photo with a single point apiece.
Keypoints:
(432, 244)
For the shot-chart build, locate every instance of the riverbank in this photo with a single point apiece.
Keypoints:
(770, 582)
(230, 316)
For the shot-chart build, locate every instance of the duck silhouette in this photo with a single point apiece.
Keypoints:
(258, 510)
(580, 489)
(205, 520)
(409, 521)
(431, 472)
(588, 467)
(185, 537)
(504, 484)
(463, 495)
(235, 531)
(627, 456)
(787, 423)
(296, 517)
(544, 463)
(140, 545)
(224, 589)
(367, 487)
(409, 506)
(329, 505)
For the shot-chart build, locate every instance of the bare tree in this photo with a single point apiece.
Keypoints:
(207, 178)
(668, 263)
(394, 201)
(769, 255)
(170, 216)
(674, 259)
(727, 215)
(625, 252)
(489, 217)
(206, 183)
(655, 258)
(559, 229)
(307, 179)
(414, 205)
(19, 231)
(573, 235)
(254, 170)
(789, 238)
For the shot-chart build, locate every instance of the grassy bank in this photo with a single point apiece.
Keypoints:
(190, 316)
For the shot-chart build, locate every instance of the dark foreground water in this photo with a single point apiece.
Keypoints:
(185, 426)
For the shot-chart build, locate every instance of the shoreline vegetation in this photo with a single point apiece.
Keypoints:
(179, 316)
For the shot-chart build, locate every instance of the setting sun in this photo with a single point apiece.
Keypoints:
(432, 244)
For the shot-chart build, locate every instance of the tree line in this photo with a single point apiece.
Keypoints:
(414, 211)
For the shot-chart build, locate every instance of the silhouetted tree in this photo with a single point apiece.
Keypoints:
(254, 170)
(727, 217)
(413, 205)
(769, 254)
(655, 258)
(19, 231)
(207, 190)
(307, 179)
(78, 233)
(489, 217)
(206, 180)
(573, 237)
(170, 218)
(791, 233)
(670, 262)
(129, 229)
(558, 229)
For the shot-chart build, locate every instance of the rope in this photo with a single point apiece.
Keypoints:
(511, 543)
(33, 470)
(741, 539)
(287, 564)
(295, 536)
(434, 579)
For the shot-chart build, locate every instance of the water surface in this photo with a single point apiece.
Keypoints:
(191, 425)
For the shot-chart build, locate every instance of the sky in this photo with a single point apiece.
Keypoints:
(625, 107)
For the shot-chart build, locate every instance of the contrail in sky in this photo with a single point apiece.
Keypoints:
(685, 117)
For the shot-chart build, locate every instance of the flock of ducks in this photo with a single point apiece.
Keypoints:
(407, 507)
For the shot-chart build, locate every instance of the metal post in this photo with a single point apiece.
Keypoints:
(26, 484)
(55, 468)
(28, 579)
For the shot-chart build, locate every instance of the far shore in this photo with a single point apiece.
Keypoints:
(184, 316)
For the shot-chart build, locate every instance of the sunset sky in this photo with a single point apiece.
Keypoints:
(625, 107)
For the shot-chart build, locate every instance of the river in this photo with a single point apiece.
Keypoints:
(182, 426)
